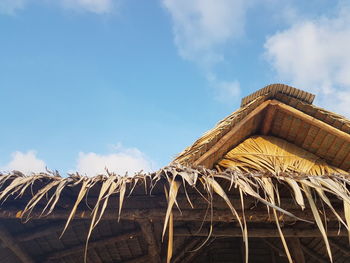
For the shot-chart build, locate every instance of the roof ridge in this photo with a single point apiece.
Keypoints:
(273, 89)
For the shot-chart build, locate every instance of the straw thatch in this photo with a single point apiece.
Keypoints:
(281, 111)
(262, 187)
(230, 184)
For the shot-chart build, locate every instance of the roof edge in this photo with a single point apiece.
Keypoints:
(280, 88)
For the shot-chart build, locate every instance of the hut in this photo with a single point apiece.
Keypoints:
(270, 183)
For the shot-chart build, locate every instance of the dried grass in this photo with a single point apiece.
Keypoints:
(262, 186)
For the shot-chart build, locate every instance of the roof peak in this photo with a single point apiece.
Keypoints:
(273, 89)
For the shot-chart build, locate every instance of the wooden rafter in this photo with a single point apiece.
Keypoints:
(182, 252)
(93, 244)
(13, 245)
(149, 236)
(344, 250)
(268, 120)
(40, 231)
(313, 254)
(225, 143)
(197, 253)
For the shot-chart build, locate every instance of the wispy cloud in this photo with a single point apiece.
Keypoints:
(123, 160)
(225, 91)
(10, 7)
(26, 163)
(94, 6)
(315, 55)
(202, 29)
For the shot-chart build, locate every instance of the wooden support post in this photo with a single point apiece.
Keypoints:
(149, 236)
(13, 245)
(296, 250)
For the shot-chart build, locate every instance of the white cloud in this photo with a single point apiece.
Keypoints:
(9, 7)
(227, 91)
(25, 162)
(315, 55)
(94, 6)
(124, 160)
(201, 27)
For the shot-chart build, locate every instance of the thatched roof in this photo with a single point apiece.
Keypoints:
(288, 194)
(281, 111)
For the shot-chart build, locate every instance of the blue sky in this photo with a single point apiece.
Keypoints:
(86, 84)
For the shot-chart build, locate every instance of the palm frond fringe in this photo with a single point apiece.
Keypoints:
(261, 186)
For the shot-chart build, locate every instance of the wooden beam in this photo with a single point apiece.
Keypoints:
(344, 250)
(149, 236)
(262, 232)
(186, 215)
(92, 244)
(228, 140)
(311, 120)
(268, 120)
(295, 249)
(313, 254)
(11, 243)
